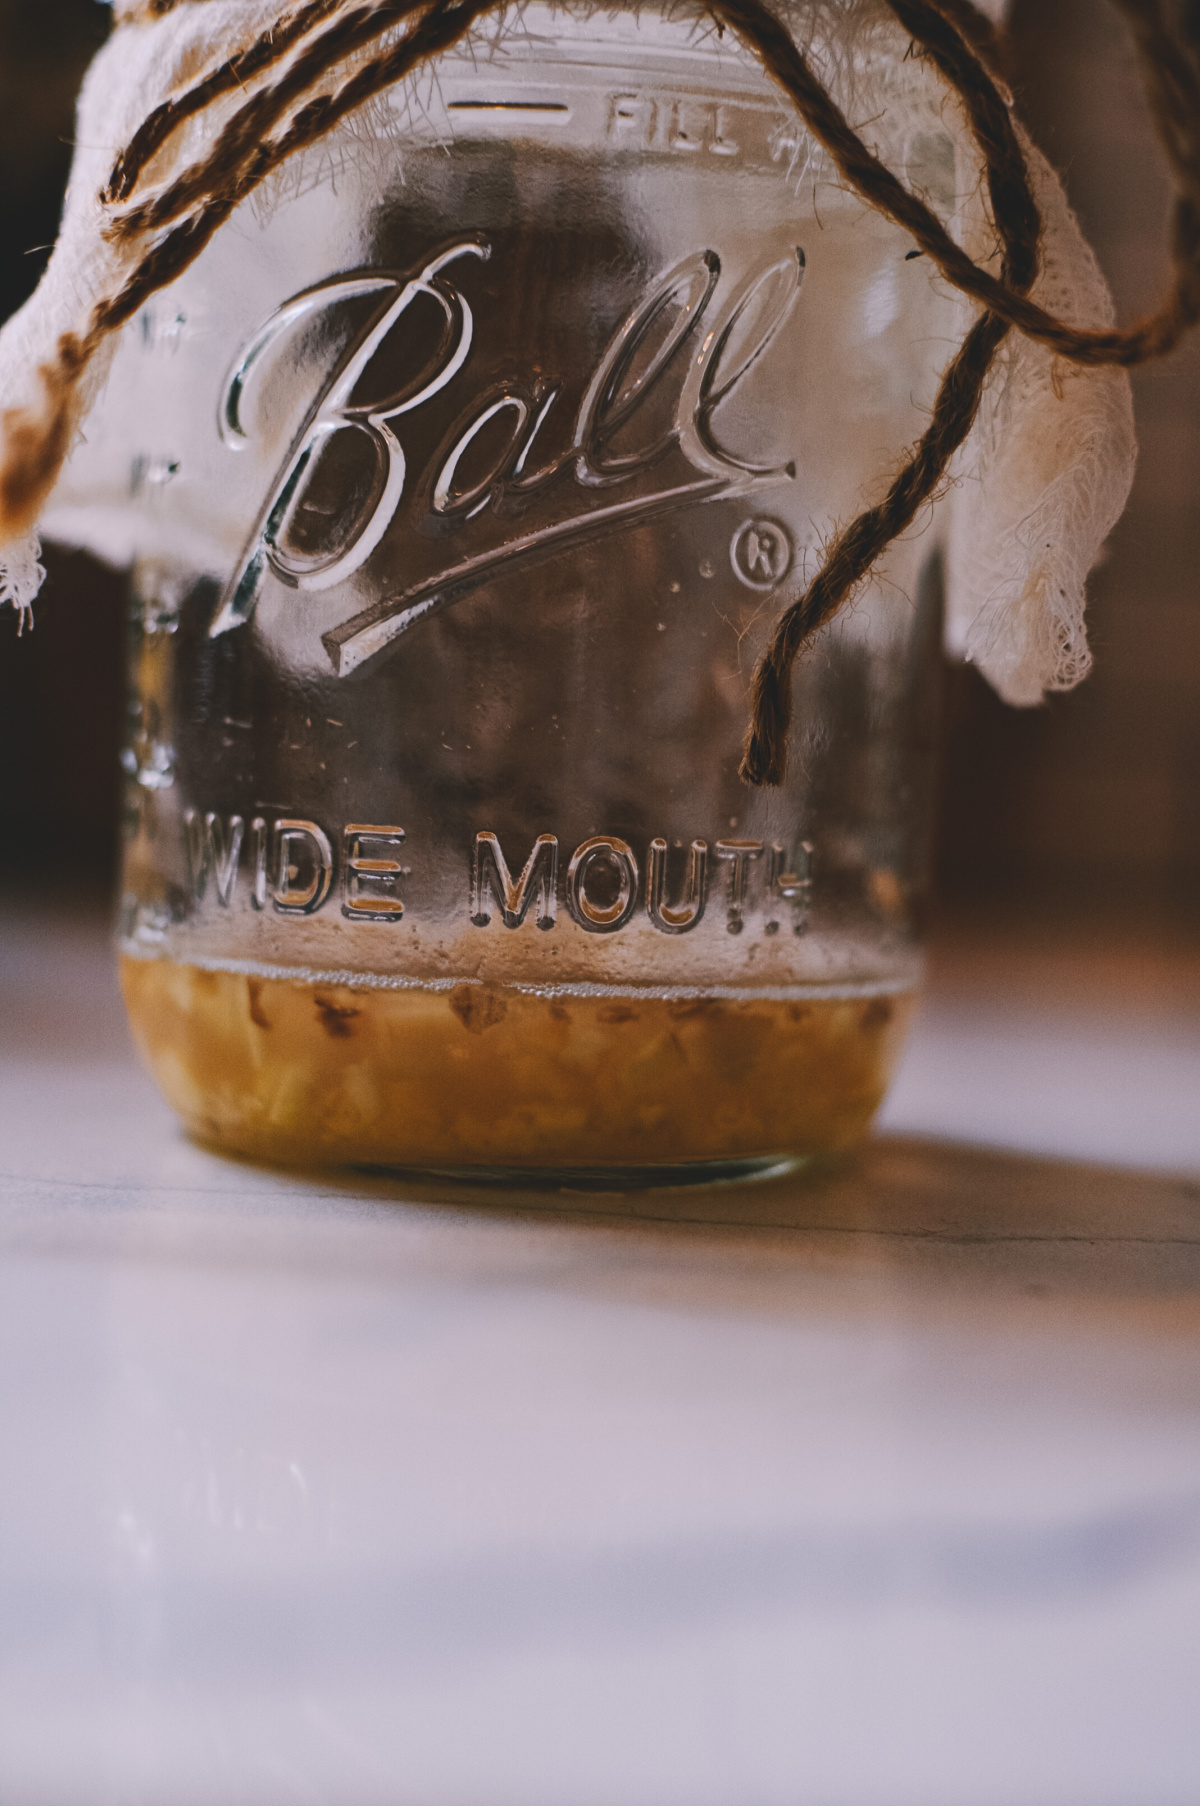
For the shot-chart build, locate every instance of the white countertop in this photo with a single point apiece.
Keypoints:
(877, 1486)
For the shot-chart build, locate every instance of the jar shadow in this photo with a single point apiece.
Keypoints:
(903, 1214)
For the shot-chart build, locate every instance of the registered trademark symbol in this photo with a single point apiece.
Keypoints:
(761, 554)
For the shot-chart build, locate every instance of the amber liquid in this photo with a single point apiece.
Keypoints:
(490, 1076)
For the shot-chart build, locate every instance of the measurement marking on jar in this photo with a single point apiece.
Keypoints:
(684, 124)
(556, 110)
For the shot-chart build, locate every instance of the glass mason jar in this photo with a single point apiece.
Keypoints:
(463, 478)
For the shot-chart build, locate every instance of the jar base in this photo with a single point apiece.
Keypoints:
(660, 1175)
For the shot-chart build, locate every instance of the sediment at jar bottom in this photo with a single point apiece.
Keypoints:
(491, 1076)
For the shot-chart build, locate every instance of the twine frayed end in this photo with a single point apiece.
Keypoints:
(765, 747)
(21, 577)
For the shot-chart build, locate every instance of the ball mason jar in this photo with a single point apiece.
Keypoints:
(463, 478)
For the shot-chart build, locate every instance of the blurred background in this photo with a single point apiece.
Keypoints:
(1092, 798)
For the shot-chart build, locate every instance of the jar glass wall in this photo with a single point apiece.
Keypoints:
(464, 477)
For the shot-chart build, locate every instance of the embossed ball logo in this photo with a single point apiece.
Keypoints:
(551, 479)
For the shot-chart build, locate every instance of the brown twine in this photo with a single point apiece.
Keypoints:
(1174, 96)
(855, 550)
(166, 119)
(235, 164)
(962, 47)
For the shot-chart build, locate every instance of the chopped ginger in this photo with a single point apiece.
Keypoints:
(488, 1075)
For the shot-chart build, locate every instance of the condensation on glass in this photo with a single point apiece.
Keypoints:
(463, 477)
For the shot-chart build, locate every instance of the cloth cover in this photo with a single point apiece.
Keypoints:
(1039, 484)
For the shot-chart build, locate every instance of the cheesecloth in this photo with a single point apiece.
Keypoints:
(1032, 493)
